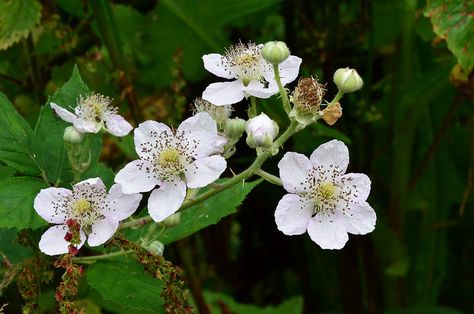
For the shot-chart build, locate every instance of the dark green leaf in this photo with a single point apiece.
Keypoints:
(208, 213)
(18, 148)
(126, 284)
(16, 203)
(14, 252)
(219, 301)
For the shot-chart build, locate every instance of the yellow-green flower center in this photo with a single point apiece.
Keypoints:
(327, 191)
(81, 207)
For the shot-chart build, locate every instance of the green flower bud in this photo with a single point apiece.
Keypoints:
(347, 80)
(234, 128)
(156, 248)
(275, 52)
(73, 136)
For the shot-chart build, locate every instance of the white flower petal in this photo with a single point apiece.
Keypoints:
(46, 204)
(120, 205)
(217, 65)
(137, 176)
(257, 89)
(88, 185)
(331, 158)
(85, 126)
(288, 69)
(63, 113)
(360, 218)
(166, 200)
(52, 241)
(293, 214)
(328, 230)
(204, 171)
(147, 134)
(355, 186)
(224, 93)
(117, 125)
(294, 172)
(102, 230)
(200, 134)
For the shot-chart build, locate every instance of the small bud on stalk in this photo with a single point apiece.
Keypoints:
(347, 80)
(275, 52)
(73, 136)
(261, 131)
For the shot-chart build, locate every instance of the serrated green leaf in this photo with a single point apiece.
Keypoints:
(18, 147)
(126, 284)
(453, 20)
(17, 19)
(16, 203)
(209, 212)
(219, 301)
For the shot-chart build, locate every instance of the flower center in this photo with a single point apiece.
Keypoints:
(325, 196)
(246, 62)
(81, 207)
(170, 161)
(94, 107)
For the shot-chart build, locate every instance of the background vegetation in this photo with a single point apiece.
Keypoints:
(411, 129)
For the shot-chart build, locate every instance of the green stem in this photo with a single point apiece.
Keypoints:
(335, 99)
(89, 259)
(241, 177)
(269, 177)
(253, 107)
(284, 95)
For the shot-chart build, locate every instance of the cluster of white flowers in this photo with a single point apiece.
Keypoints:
(322, 199)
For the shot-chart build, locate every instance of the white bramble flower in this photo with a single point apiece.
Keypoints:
(322, 199)
(172, 160)
(96, 211)
(252, 74)
(93, 113)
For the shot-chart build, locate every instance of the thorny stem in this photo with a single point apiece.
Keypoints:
(283, 93)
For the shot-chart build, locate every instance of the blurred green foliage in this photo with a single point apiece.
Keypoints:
(411, 129)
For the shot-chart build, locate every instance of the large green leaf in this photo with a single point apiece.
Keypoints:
(17, 19)
(126, 284)
(18, 148)
(453, 20)
(16, 203)
(209, 212)
(218, 302)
